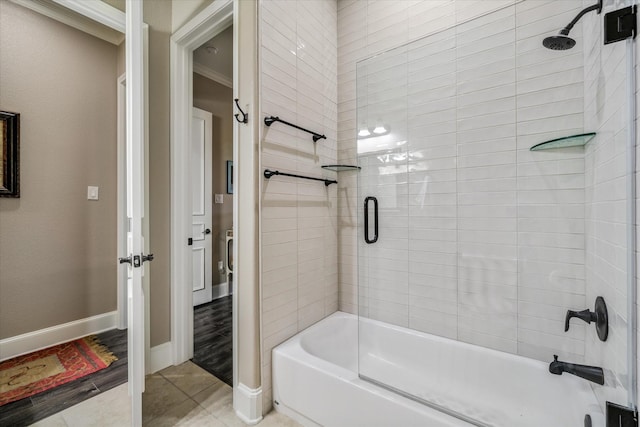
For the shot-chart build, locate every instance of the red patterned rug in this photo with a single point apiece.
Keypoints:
(32, 373)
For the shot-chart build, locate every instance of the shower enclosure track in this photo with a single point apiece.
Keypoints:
(433, 405)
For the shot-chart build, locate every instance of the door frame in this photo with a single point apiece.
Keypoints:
(121, 226)
(136, 160)
(247, 390)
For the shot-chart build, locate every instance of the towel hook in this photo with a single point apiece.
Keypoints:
(245, 117)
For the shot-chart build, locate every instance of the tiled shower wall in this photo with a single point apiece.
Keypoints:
(540, 199)
(496, 255)
(299, 218)
(605, 207)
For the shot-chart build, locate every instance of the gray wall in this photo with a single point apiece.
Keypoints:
(57, 250)
(158, 15)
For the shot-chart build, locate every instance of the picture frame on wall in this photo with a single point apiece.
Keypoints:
(229, 177)
(10, 154)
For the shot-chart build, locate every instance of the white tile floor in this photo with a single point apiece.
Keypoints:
(183, 395)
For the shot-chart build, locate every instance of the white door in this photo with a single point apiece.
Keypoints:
(201, 175)
(134, 259)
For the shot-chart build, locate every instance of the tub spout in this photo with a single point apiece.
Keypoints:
(590, 373)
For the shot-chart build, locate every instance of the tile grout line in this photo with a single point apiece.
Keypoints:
(173, 404)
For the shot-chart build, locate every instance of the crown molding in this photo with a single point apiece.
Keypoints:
(212, 75)
(100, 20)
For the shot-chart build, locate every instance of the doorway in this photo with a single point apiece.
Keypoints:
(212, 159)
(212, 20)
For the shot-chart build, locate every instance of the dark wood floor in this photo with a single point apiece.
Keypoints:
(213, 348)
(39, 406)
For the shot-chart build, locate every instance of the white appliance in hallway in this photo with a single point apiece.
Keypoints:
(201, 218)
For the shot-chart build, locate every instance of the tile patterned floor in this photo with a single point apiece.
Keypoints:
(109, 409)
(184, 395)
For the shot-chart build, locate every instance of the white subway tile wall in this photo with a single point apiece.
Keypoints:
(481, 240)
(490, 243)
(299, 221)
(605, 213)
(550, 189)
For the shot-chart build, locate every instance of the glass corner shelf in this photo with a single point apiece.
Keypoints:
(567, 141)
(341, 168)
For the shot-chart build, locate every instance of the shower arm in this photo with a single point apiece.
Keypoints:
(597, 6)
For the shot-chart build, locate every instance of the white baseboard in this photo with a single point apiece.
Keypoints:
(43, 338)
(247, 403)
(161, 357)
(220, 290)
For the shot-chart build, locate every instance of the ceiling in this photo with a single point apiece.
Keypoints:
(220, 63)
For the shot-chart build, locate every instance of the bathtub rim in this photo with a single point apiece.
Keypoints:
(293, 349)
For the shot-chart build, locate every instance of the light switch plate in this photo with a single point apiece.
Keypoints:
(92, 193)
(219, 198)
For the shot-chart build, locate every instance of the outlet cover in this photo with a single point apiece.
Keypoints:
(219, 198)
(92, 193)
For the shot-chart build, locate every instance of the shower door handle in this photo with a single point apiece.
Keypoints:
(366, 219)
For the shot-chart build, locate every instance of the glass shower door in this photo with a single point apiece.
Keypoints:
(467, 235)
(383, 203)
(408, 277)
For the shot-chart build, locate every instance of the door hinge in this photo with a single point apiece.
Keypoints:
(190, 241)
(621, 416)
(620, 24)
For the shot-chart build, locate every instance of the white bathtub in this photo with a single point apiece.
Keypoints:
(316, 382)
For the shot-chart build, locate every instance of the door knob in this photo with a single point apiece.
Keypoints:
(207, 231)
(125, 260)
(147, 257)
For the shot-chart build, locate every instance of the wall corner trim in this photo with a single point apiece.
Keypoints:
(43, 338)
(161, 357)
(247, 403)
